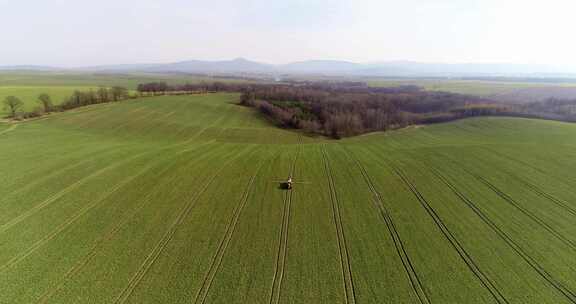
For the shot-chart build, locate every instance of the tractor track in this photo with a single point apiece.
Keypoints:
(9, 129)
(121, 126)
(558, 286)
(82, 181)
(167, 237)
(54, 173)
(526, 212)
(415, 282)
(516, 160)
(200, 132)
(92, 253)
(77, 216)
(559, 202)
(478, 273)
(230, 229)
(106, 112)
(537, 190)
(72, 220)
(158, 121)
(73, 186)
(347, 278)
(283, 244)
(62, 193)
(528, 165)
(214, 123)
(101, 240)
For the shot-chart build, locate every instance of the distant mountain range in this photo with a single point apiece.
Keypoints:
(327, 68)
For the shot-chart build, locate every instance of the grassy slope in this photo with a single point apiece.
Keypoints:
(174, 200)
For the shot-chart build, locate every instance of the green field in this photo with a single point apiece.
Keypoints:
(28, 85)
(474, 87)
(176, 200)
(83, 79)
(60, 85)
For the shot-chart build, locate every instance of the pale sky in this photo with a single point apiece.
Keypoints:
(84, 33)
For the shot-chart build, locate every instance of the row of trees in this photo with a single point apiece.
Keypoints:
(15, 106)
(163, 88)
(101, 95)
(303, 88)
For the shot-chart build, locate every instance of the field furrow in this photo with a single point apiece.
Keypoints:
(9, 129)
(230, 229)
(249, 264)
(89, 234)
(29, 183)
(39, 206)
(571, 296)
(283, 245)
(158, 249)
(145, 230)
(523, 179)
(472, 265)
(78, 266)
(411, 273)
(73, 219)
(531, 215)
(313, 270)
(342, 246)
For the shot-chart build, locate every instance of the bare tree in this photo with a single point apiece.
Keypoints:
(46, 102)
(13, 104)
(119, 93)
(103, 94)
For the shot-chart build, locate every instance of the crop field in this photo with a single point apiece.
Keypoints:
(90, 79)
(176, 199)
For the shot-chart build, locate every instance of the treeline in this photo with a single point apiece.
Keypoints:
(15, 106)
(163, 88)
(91, 97)
(341, 110)
(551, 108)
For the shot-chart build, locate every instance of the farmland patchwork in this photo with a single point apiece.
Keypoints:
(177, 200)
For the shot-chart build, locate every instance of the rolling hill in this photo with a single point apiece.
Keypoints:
(177, 200)
(238, 65)
(323, 67)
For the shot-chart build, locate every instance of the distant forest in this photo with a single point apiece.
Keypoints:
(342, 110)
(345, 108)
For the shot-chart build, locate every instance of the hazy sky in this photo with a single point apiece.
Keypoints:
(81, 32)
